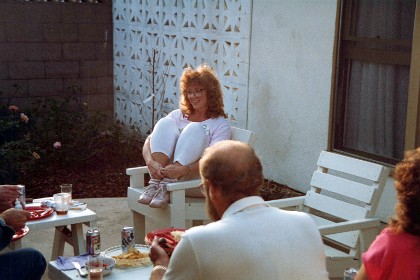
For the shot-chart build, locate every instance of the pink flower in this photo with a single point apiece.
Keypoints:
(24, 117)
(13, 108)
(57, 145)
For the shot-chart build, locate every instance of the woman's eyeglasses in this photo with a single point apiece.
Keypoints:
(196, 93)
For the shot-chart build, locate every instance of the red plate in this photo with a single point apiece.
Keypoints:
(21, 233)
(39, 212)
(165, 233)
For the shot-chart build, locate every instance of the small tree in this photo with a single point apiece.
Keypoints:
(156, 83)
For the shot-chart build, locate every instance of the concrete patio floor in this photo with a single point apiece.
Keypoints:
(112, 215)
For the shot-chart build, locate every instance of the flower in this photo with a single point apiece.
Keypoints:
(106, 132)
(36, 155)
(57, 145)
(24, 117)
(13, 108)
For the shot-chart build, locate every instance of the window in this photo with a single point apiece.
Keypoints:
(376, 79)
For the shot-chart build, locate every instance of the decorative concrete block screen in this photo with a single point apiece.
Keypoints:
(180, 34)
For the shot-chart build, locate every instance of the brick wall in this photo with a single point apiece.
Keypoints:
(46, 46)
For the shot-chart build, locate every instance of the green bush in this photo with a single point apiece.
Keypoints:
(66, 132)
(58, 133)
(18, 153)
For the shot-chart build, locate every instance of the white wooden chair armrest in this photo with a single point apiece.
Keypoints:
(287, 202)
(183, 185)
(349, 226)
(137, 176)
(137, 170)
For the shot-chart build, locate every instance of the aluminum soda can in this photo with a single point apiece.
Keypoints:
(350, 273)
(127, 239)
(93, 241)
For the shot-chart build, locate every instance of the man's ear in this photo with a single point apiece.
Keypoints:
(213, 191)
(210, 188)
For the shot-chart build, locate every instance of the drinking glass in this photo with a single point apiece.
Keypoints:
(94, 267)
(22, 195)
(67, 188)
(62, 203)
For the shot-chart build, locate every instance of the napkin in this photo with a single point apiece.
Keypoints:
(75, 205)
(65, 263)
(48, 203)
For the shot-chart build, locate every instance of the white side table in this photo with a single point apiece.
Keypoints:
(68, 228)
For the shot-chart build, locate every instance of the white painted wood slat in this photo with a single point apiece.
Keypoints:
(360, 168)
(243, 135)
(342, 186)
(334, 207)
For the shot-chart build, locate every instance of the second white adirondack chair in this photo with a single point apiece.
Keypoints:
(182, 211)
(342, 200)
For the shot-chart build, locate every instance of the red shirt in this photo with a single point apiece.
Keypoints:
(393, 256)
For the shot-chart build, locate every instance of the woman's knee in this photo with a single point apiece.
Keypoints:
(195, 129)
(165, 128)
(165, 123)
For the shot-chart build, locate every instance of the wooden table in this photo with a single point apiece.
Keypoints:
(68, 228)
(138, 273)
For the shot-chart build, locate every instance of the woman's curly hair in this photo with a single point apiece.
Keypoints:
(207, 79)
(407, 184)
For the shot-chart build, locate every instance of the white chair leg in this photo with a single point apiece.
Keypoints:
(139, 224)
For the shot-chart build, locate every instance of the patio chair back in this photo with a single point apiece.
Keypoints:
(343, 198)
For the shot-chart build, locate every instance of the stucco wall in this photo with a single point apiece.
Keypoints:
(290, 86)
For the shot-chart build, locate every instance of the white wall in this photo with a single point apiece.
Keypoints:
(290, 86)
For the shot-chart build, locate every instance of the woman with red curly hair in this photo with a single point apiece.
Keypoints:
(173, 149)
(395, 253)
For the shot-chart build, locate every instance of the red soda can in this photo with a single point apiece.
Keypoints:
(93, 241)
(127, 239)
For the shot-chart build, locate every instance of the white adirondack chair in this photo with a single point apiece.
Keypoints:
(182, 211)
(342, 200)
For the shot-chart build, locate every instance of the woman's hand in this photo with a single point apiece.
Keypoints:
(175, 171)
(155, 169)
(153, 166)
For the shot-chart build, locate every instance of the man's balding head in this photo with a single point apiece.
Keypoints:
(233, 167)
